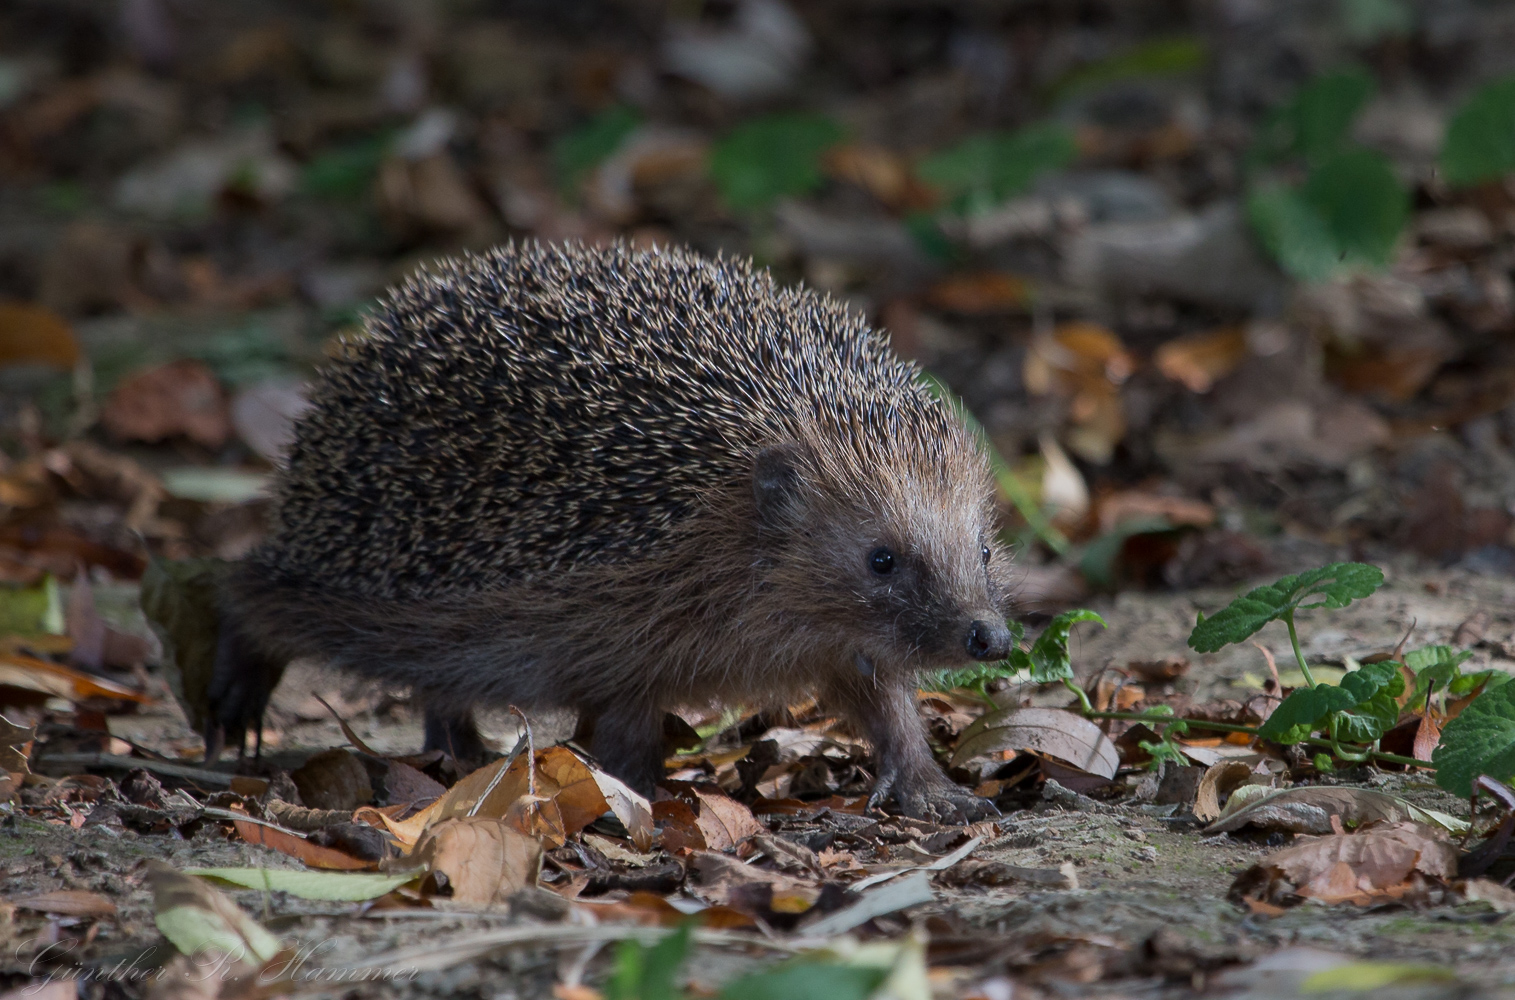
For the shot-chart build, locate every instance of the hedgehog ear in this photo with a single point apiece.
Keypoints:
(777, 484)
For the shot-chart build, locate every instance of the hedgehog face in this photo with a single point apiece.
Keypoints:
(898, 568)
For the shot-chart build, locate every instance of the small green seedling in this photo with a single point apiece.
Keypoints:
(772, 157)
(1045, 662)
(1165, 749)
(647, 972)
(1363, 706)
(578, 152)
(987, 168)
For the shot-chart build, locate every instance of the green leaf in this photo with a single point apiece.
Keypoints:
(1362, 203)
(1364, 699)
(1046, 662)
(1439, 665)
(1049, 660)
(772, 157)
(346, 172)
(986, 169)
(1479, 741)
(1315, 123)
(648, 973)
(576, 153)
(1161, 57)
(808, 981)
(1302, 712)
(1480, 142)
(31, 611)
(1346, 215)
(1336, 586)
(347, 887)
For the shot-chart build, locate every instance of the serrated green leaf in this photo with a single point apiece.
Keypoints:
(1048, 658)
(577, 152)
(1336, 586)
(1479, 741)
(1480, 142)
(1316, 123)
(985, 169)
(1292, 232)
(1301, 713)
(348, 887)
(772, 157)
(1365, 698)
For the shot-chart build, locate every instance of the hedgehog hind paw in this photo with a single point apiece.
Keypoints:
(942, 801)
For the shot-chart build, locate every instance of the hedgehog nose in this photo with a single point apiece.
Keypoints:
(988, 640)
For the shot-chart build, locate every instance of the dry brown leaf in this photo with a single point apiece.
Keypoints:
(1088, 364)
(1202, 360)
(680, 825)
(95, 643)
(1219, 779)
(1310, 809)
(724, 880)
(313, 855)
(1116, 509)
(179, 398)
(483, 859)
(35, 335)
(1427, 734)
(32, 674)
(981, 292)
(881, 172)
(1051, 731)
(1385, 862)
(724, 821)
(68, 903)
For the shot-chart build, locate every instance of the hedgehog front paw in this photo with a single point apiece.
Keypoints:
(931, 795)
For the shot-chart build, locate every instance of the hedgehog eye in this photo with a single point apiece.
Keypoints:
(984, 550)
(881, 561)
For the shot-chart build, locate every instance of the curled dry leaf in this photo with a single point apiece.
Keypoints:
(1219, 779)
(1051, 731)
(68, 903)
(566, 786)
(1381, 863)
(1310, 809)
(482, 859)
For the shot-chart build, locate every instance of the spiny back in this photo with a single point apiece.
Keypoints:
(535, 407)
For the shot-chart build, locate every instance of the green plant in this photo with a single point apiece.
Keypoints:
(1362, 707)
(1165, 749)
(1480, 142)
(1348, 209)
(772, 157)
(1479, 741)
(345, 172)
(808, 980)
(577, 152)
(647, 972)
(1045, 662)
(986, 169)
(1315, 123)
(1439, 668)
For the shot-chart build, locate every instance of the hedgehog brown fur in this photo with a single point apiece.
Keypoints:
(621, 481)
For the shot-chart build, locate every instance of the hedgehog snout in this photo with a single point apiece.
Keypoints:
(988, 640)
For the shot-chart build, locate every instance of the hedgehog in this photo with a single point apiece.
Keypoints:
(620, 482)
